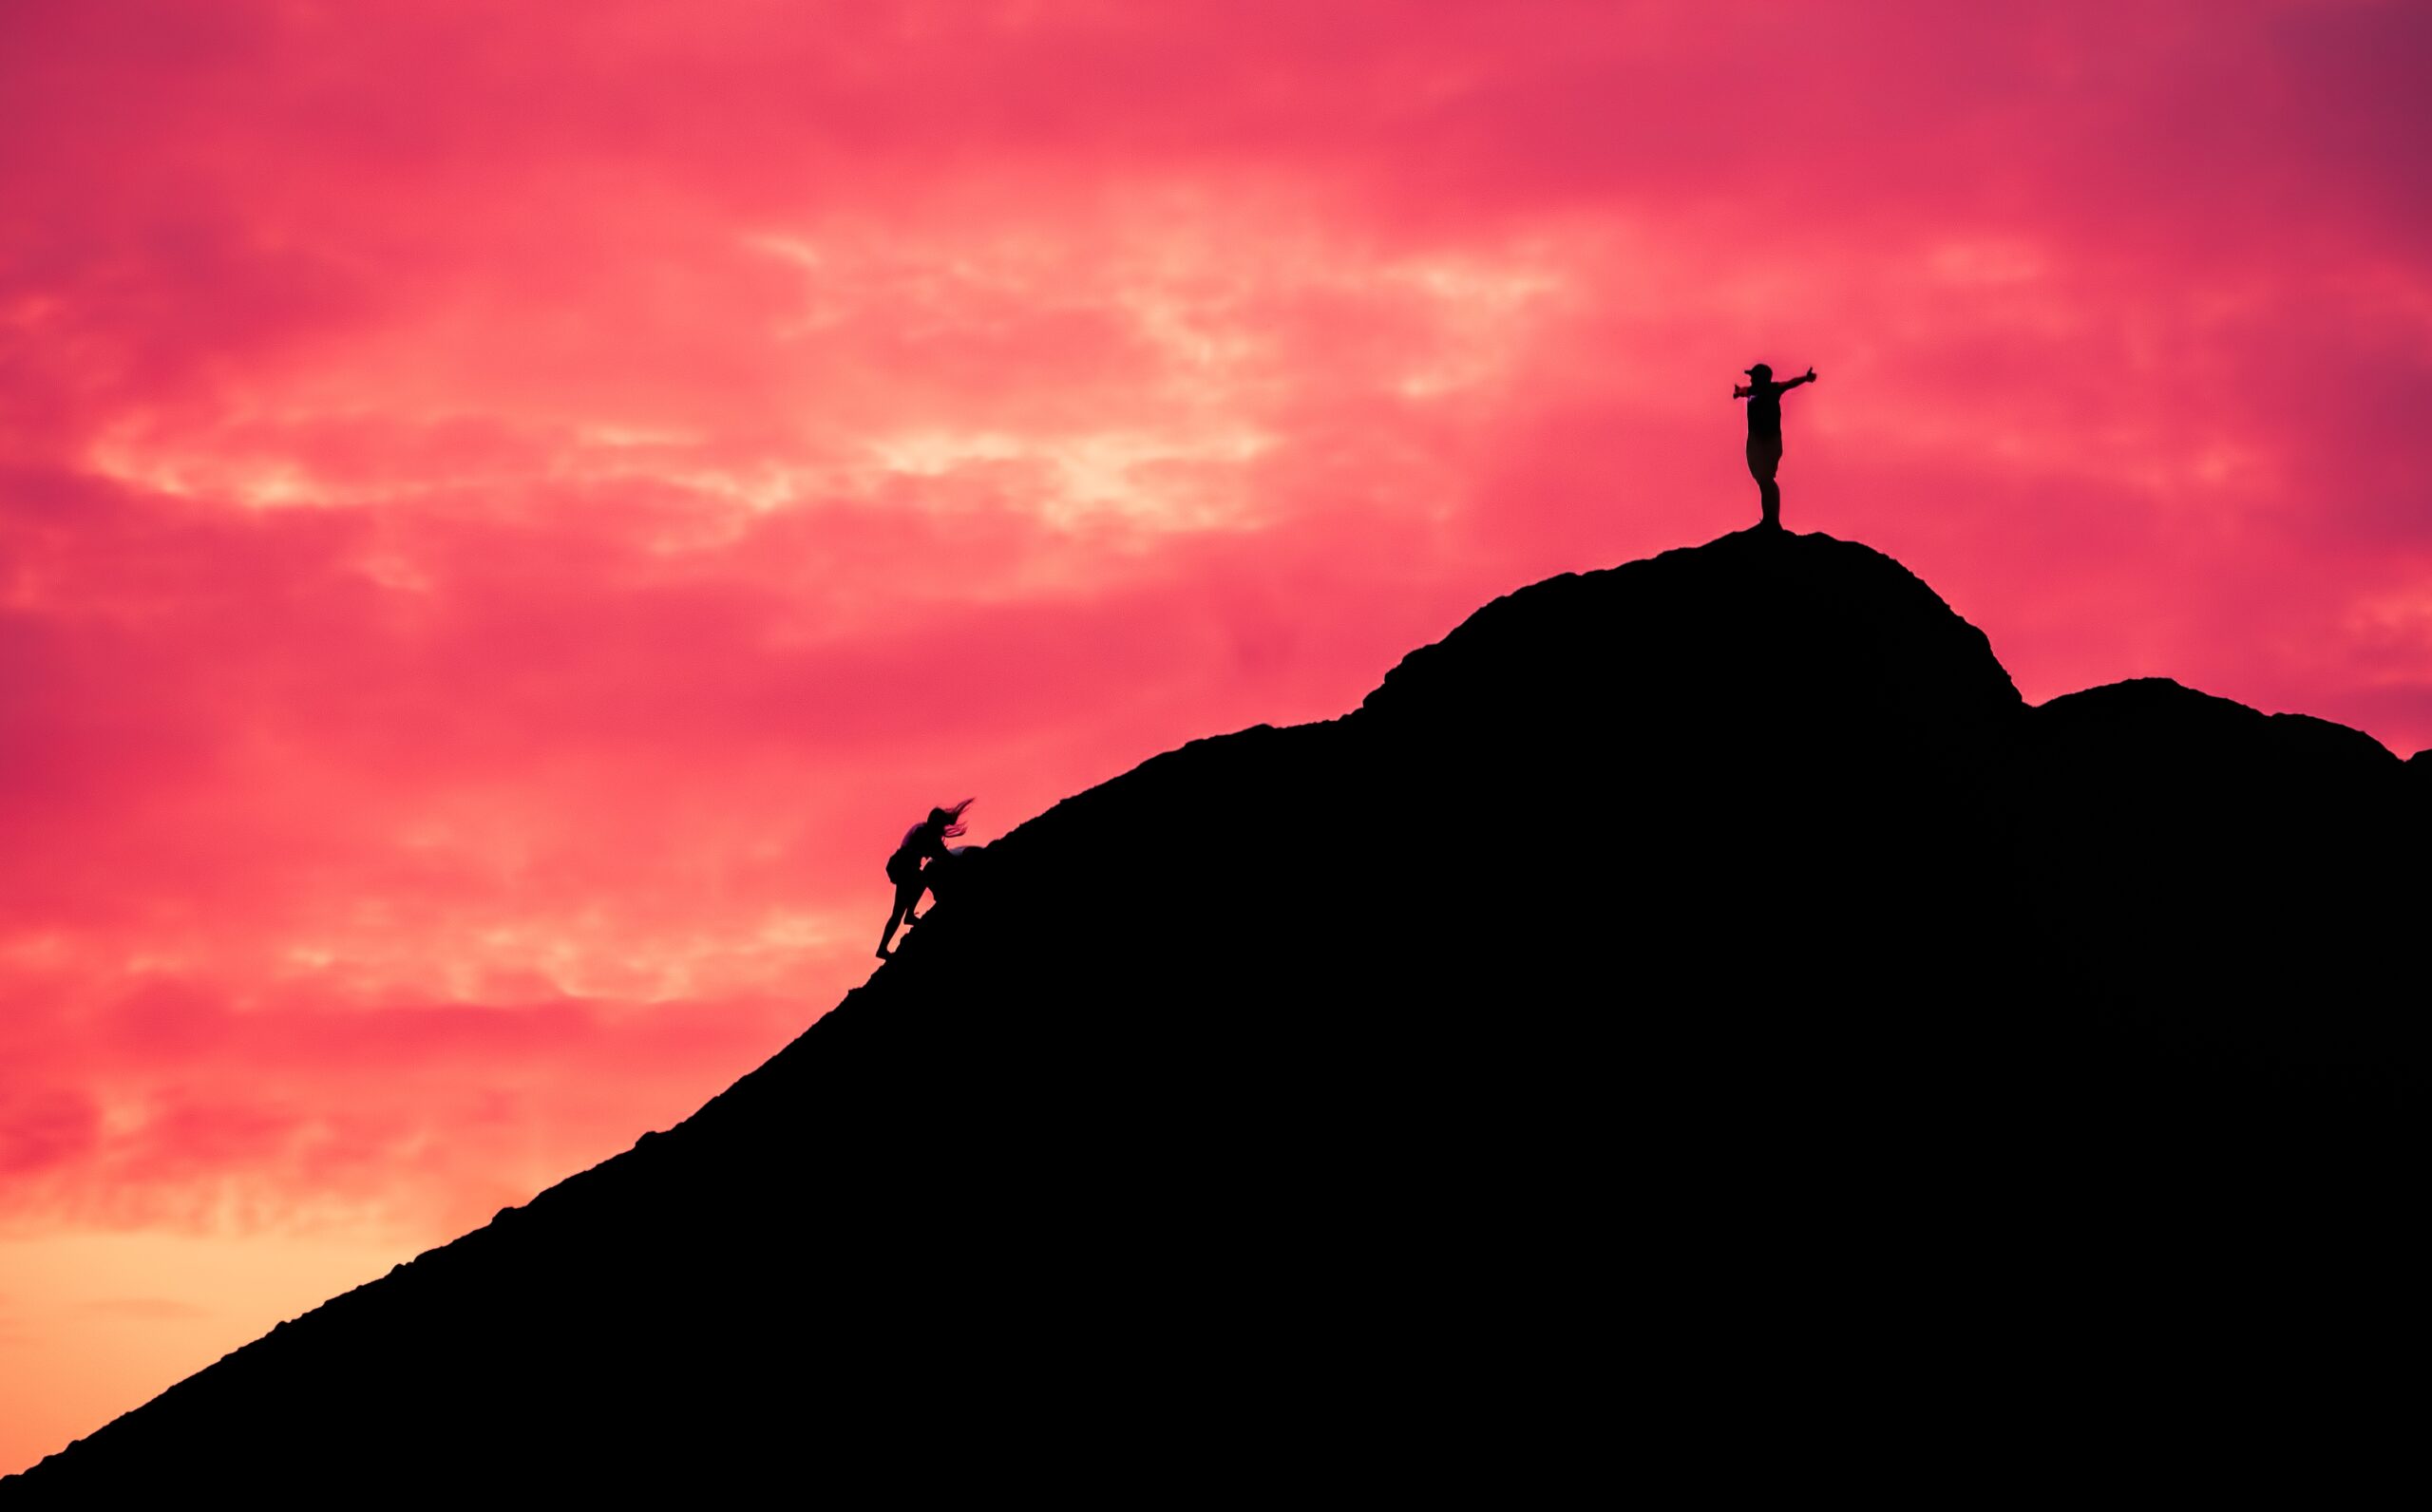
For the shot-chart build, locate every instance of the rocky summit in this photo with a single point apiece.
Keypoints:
(1695, 1013)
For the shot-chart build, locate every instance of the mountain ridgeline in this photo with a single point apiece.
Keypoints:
(1692, 1005)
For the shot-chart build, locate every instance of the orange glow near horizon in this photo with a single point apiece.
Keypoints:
(506, 513)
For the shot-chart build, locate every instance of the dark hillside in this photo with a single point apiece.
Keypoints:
(1697, 1003)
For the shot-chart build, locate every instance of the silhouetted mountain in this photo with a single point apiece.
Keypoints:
(1695, 1009)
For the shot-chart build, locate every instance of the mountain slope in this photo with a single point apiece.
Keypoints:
(1708, 974)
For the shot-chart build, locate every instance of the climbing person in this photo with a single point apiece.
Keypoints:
(924, 842)
(1764, 398)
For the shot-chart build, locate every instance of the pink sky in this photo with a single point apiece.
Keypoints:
(507, 511)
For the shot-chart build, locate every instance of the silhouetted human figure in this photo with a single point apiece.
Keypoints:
(923, 843)
(1764, 398)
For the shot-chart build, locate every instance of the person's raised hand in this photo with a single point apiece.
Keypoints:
(1810, 375)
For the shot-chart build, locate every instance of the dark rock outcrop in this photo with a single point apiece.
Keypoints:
(1706, 977)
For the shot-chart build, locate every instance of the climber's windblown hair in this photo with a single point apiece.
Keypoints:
(949, 820)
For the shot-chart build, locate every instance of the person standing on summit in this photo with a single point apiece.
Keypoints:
(1764, 398)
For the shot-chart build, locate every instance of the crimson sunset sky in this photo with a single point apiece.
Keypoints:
(507, 511)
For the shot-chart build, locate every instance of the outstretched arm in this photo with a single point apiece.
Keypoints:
(1741, 392)
(1807, 377)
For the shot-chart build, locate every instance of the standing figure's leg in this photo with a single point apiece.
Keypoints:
(1763, 459)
